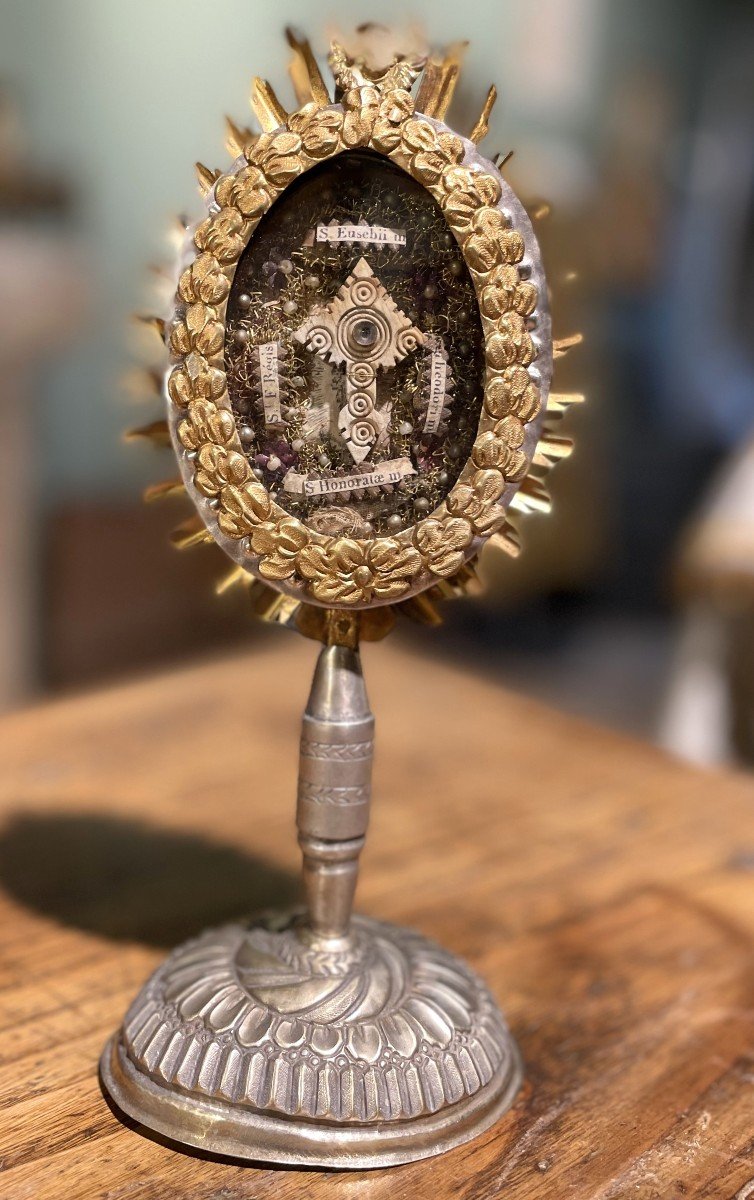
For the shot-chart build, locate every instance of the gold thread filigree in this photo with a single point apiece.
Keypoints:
(341, 570)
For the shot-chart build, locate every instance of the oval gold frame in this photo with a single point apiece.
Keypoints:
(497, 242)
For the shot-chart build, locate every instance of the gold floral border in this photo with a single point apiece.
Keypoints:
(337, 571)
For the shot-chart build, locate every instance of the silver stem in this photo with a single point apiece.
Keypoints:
(334, 787)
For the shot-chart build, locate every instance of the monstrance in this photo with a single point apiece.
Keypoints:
(360, 366)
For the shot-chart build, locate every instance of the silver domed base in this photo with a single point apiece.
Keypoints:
(263, 1042)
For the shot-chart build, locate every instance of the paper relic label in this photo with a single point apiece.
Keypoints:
(270, 381)
(438, 370)
(361, 233)
(387, 472)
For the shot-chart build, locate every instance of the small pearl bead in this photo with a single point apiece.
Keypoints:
(298, 381)
(286, 266)
(258, 472)
(324, 460)
(297, 445)
(395, 521)
(443, 478)
(241, 337)
(273, 463)
(246, 433)
(430, 292)
(455, 267)
(290, 307)
(421, 504)
(244, 300)
(454, 450)
(405, 428)
(311, 281)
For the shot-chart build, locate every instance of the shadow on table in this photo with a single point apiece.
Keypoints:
(132, 881)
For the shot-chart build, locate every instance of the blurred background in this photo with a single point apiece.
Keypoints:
(634, 603)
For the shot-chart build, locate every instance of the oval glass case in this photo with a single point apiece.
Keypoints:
(362, 352)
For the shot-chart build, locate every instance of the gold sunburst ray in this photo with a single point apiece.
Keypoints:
(238, 138)
(561, 346)
(306, 77)
(166, 489)
(560, 403)
(438, 82)
(507, 539)
(191, 532)
(551, 449)
(532, 496)
(153, 324)
(206, 177)
(482, 124)
(156, 432)
(265, 105)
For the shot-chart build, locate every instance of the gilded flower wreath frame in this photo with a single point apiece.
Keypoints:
(338, 571)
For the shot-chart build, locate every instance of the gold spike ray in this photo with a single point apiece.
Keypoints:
(550, 450)
(465, 582)
(237, 139)
(559, 403)
(421, 609)
(164, 490)
(541, 211)
(154, 324)
(232, 579)
(439, 81)
(156, 432)
(267, 108)
(161, 273)
(482, 126)
(140, 382)
(561, 346)
(272, 606)
(306, 77)
(507, 539)
(206, 177)
(191, 532)
(532, 496)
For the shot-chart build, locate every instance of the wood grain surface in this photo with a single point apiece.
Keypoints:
(605, 892)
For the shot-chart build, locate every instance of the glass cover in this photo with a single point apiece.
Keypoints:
(354, 350)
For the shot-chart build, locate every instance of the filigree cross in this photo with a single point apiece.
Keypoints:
(363, 329)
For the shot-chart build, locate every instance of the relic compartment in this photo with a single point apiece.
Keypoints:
(287, 399)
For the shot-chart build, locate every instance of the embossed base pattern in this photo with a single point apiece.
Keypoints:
(253, 1041)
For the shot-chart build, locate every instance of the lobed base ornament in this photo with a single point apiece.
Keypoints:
(361, 356)
(313, 1037)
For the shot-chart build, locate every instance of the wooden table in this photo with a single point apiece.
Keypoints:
(605, 891)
